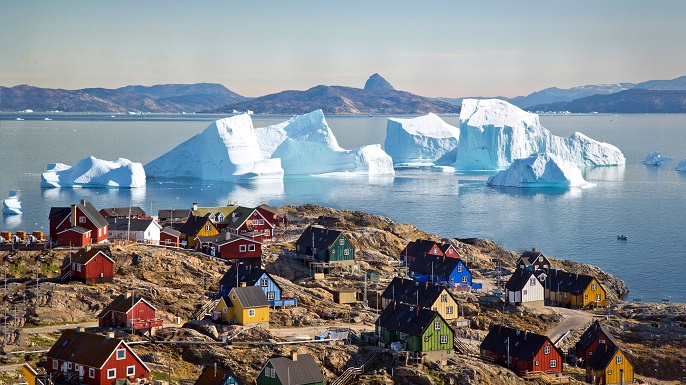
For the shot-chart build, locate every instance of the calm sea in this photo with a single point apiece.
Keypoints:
(645, 203)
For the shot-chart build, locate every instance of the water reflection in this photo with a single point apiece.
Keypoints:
(572, 192)
(607, 173)
(11, 221)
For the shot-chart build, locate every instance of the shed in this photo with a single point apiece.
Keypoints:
(345, 296)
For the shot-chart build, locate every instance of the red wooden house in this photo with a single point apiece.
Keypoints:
(272, 214)
(82, 215)
(131, 312)
(246, 220)
(76, 236)
(423, 247)
(93, 359)
(231, 246)
(521, 350)
(170, 237)
(88, 266)
(595, 335)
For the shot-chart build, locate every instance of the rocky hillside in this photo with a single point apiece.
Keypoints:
(633, 101)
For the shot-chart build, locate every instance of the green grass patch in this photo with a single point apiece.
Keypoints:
(16, 269)
(42, 339)
(50, 269)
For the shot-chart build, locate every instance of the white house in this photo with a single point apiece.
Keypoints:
(524, 288)
(135, 230)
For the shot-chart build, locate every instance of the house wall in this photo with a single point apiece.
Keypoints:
(443, 308)
(100, 376)
(94, 268)
(169, 240)
(74, 239)
(337, 251)
(586, 354)
(141, 311)
(242, 314)
(533, 293)
(97, 235)
(590, 294)
(233, 250)
(57, 225)
(612, 373)
(190, 238)
(266, 228)
(226, 313)
(544, 360)
(434, 337)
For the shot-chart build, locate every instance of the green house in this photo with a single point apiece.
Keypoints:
(421, 332)
(299, 369)
(326, 245)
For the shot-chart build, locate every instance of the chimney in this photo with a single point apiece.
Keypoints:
(215, 369)
(80, 329)
(242, 284)
(195, 206)
(73, 216)
(83, 202)
(525, 332)
(394, 303)
(533, 249)
(577, 276)
(294, 355)
(109, 335)
(427, 285)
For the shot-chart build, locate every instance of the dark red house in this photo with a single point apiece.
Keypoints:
(595, 335)
(131, 312)
(133, 212)
(230, 246)
(423, 247)
(83, 215)
(170, 237)
(521, 350)
(245, 220)
(88, 266)
(272, 214)
(93, 359)
(76, 236)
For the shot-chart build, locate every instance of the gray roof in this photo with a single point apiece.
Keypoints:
(302, 371)
(251, 296)
(124, 211)
(98, 220)
(129, 224)
(170, 231)
(78, 229)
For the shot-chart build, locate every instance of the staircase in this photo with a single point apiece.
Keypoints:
(205, 309)
(65, 277)
(463, 348)
(354, 371)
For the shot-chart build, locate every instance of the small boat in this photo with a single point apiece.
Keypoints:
(47, 119)
(20, 119)
(622, 237)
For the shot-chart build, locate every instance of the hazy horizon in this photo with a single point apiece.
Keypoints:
(447, 50)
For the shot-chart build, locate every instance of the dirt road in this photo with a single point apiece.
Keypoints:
(571, 320)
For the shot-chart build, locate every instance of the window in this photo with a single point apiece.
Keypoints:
(220, 218)
(55, 364)
(242, 248)
(262, 221)
(601, 341)
(553, 363)
(609, 372)
(251, 247)
(532, 282)
(564, 295)
(594, 286)
(444, 339)
(78, 267)
(449, 310)
(82, 219)
(586, 296)
(597, 297)
(524, 292)
(264, 282)
(464, 279)
(619, 360)
(536, 363)
(346, 251)
(69, 365)
(444, 297)
(540, 258)
(121, 354)
(270, 295)
(266, 232)
(233, 297)
(546, 349)
(111, 373)
(341, 241)
(208, 227)
(437, 325)
(91, 372)
(131, 370)
(459, 268)
(251, 312)
(426, 338)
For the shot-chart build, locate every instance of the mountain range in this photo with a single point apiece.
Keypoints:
(633, 101)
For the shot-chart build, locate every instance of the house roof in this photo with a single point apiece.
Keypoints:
(269, 208)
(250, 296)
(224, 210)
(124, 211)
(519, 279)
(569, 282)
(246, 273)
(77, 229)
(522, 344)
(83, 256)
(86, 348)
(302, 371)
(123, 304)
(239, 216)
(170, 231)
(214, 376)
(194, 224)
(173, 213)
(592, 333)
(602, 356)
(323, 238)
(436, 265)
(408, 291)
(224, 238)
(405, 318)
(87, 208)
(419, 248)
(131, 224)
(59, 213)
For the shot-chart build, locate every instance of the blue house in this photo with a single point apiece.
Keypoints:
(249, 275)
(440, 269)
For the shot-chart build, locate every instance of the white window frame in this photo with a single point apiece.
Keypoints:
(267, 232)
(594, 286)
(91, 372)
(68, 365)
(242, 248)
(82, 219)
(546, 349)
(618, 359)
(464, 279)
(524, 292)
(444, 339)
(426, 338)
(444, 297)
(123, 355)
(55, 364)
(208, 228)
(532, 281)
(346, 252)
(597, 297)
(271, 295)
(78, 267)
(251, 312)
(459, 268)
(264, 282)
(113, 375)
(437, 325)
(251, 247)
(341, 241)
(536, 363)
(131, 370)
(449, 310)
(553, 363)
(609, 372)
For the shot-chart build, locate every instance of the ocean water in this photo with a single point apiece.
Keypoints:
(645, 203)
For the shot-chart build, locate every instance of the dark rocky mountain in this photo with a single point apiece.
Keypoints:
(171, 98)
(378, 97)
(673, 84)
(633, 101)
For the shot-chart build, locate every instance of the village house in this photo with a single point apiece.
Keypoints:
(525, 288)
(172, 216)
(133, 212)
(594, 336)
(196, 227)
(521, 350)
(534, 260)
(170, 237)
(423, 294)
(219, 215)
(609, 365)
(244, 305)
(326, 245)
(134, 230)
(87, 266)
(213, 375)
(76, 236)
(423, 333)
(82, 215)
(93, 359)
(299, 369)
(131, 312)
(422, 247)
(230, 246)
(439, 269)
(244, 220)
(575, 290)
(254, 276)
(273, 215)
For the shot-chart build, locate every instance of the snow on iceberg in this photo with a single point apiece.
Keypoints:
(11, 205)
(655, 159)
(420, 141)
(94, 172)
(542, 170)
(227, 150)
(494, 133)
(681, 166)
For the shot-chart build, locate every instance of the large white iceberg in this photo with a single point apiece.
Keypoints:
(11, 205)
(94, 172)
(495, 133)
(420, 141)
(232, 148)
(681, 166)
(655, 159)
(541, 170)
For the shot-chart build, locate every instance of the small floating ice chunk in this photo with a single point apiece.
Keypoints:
(655, 159)
(681, 166)
(94, 172)
(542, 170)
(11, 205)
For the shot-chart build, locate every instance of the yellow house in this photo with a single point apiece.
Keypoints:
(244, 306)
(197, 227)
(423, 294)
(575, 290)
(609, 365)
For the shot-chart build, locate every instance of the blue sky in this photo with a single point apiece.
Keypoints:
(439, 48)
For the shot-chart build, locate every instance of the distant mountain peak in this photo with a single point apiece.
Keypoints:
(377, 83)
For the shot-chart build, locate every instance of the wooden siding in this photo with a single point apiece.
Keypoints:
(98, 267)
(442, 306)
(611, 374)
(232, 250)
(431, 338)
(73, 239)
(336, 253)
(169, 240)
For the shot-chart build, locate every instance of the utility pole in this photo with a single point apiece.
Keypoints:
(508, 351)
(364, 300)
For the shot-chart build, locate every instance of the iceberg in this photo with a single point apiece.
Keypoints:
(94, 172)
(541, 170)
(11, 205)
(655, 159)
(495, 133)
(420, 141)
(232, 149)
(681, 166)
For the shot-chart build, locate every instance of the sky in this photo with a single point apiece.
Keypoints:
(438, 48)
